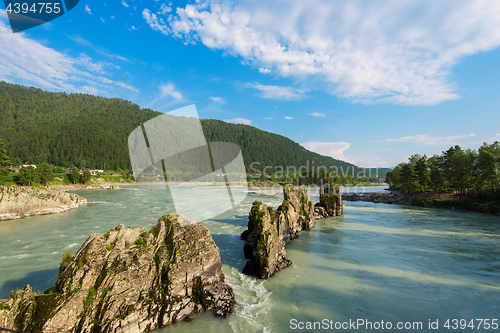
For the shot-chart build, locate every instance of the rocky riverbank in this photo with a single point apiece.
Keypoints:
(128, 280)
(269, 230)
(17, 202)
(435, 200)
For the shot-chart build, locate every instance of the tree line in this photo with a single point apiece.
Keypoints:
(456, 171)
(87, 131)
(42, 174)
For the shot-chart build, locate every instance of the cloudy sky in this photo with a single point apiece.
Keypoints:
(369, 82)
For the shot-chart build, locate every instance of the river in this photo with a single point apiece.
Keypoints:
(376, 262)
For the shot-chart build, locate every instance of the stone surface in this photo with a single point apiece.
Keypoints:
(330, 202)
(17, 202)
(128, 280)
(269, 231)
(264, 247)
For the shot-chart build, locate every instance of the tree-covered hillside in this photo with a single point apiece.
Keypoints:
(88, 131)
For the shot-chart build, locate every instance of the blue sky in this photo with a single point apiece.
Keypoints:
(369, 82)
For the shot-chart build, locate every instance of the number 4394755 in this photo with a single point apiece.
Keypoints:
(462, 324)
(40, 7)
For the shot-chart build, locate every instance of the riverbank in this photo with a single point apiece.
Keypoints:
(17, 202)
(435, 200)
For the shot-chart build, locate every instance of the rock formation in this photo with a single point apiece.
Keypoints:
(17, 202)
(264, 247)
(269, 231)
(330, 202)
(128, 280)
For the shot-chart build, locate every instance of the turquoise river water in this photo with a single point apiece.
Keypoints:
(375, 263)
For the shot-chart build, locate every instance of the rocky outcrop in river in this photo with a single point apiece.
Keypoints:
(128, 280)
(269, 231)
(17, 202)
(330, 202)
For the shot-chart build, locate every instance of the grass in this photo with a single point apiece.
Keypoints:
(141, 242)
(90, 297)
(67, 257)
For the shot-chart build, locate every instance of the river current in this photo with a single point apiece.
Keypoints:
(377, 262)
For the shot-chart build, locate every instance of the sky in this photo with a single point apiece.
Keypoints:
(370, 82)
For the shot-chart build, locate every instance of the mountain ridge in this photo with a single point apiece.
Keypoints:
(91, 131)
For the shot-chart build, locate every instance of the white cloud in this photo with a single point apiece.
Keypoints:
(332, 149)
(268, 118)
(432, 140)
(364, 51)
(87, 9)
(78, 39)
(164, 9)
(317, 114)
(168, 90)
(288, 118)
(239, 121)
(28, 62)
(102, 19)
(125, 4)
(276, 92)
(218, 99)
(264, 70)
(154, 21)
(370, 161)
(495, 138)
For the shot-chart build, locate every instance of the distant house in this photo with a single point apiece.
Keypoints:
(15, 168)
(27, 165)
(95, 172)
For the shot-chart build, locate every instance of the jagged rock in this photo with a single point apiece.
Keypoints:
(264, 248)
(269, 231)
(296, 213)
(17, 202)
(129, 280)
(330, 202)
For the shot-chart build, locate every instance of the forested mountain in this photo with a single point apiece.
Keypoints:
(88, 131)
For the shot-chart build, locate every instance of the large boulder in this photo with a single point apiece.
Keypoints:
(330, 202)
(269, 231)
(296, 213)
(264, 247)
(128, 280)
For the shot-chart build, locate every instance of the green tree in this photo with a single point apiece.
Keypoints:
(487, 166)
(45, 173)
(74, 175)
(28, 176)
(458, 168)
(436, 173)
(4, 163)
(86, 177)
(422, 172)
(408, 178)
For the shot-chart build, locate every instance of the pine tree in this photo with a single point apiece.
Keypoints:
(422, 172)
(86, 176)
(28, 176)
(45, 173)
(408, 178)
(4, 163)
(74, 175)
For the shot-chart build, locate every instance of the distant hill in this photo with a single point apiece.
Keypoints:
(88, 131)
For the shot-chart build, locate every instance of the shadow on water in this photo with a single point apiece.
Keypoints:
(38, 280)
(231, 250)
